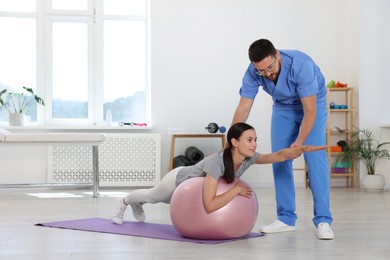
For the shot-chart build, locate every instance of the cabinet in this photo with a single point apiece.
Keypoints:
(341, 123)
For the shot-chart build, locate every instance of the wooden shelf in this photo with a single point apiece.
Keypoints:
(340, 110)
(341, 174)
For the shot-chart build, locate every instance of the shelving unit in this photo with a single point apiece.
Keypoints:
(341, 123)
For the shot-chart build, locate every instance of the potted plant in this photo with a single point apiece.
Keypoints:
(17, 103)
(363, 146)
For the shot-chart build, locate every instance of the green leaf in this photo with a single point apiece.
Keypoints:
(19, 102)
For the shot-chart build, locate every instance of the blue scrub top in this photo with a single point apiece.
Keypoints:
(299, 77)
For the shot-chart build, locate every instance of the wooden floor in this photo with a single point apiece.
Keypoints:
(361, 227)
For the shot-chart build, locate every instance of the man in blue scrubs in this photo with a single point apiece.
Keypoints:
(299, 117)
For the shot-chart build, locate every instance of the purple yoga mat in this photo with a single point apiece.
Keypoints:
(129, 228)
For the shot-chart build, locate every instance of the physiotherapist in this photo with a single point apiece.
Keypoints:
(299, 116)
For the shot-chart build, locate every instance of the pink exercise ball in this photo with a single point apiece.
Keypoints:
(234, 220)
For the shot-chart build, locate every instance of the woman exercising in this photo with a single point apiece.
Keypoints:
(229, 163)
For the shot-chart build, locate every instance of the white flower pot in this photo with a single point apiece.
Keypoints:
(16, 119)
(374, 182)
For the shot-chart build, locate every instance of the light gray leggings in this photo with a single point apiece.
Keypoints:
(162, 192)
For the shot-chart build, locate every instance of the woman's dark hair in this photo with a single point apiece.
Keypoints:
(260, 50)
(235, 132)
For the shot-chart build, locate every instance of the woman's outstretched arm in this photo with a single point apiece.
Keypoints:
(287, 154)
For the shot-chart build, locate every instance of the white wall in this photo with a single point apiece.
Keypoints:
(374, 64)
(199, 54)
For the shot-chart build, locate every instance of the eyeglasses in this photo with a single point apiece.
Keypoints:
(269, 69)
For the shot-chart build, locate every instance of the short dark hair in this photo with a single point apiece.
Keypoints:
(260, 50)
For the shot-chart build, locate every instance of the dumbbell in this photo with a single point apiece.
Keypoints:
(213, 128)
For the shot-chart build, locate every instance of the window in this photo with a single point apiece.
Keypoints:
(82, 56)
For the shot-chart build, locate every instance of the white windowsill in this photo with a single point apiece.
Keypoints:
(75, 127)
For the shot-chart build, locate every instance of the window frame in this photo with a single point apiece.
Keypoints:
(94, 17)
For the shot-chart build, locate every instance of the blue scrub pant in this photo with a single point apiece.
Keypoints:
(284, 131)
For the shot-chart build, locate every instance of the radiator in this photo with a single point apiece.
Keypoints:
(124, 160)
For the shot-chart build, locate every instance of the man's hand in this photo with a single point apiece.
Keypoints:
(312, 148)
(288, 153)
(295, 152)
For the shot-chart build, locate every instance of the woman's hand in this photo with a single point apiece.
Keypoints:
(288, 153)
(308, 148)
(213, 202)
(294, 152)
(245, 190)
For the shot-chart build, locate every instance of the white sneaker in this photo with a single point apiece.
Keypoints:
(138, 211)
(119, 211)
(324, 231)
(276, 227)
